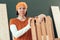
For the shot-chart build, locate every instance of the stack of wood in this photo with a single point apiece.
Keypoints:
(43, 30)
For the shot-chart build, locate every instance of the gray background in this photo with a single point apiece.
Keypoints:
(35, 7)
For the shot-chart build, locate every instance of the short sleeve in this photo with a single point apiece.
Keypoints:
(12, 21)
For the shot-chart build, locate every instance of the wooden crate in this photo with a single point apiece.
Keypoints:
(43, 30)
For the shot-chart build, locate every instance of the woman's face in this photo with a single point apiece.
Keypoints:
(22, 11)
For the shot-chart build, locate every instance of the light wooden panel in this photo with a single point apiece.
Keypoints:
(43, 27)
(4, 30)
(38, 29)
(43, 30)
(56, 16)
(33, 30)
(49, 28)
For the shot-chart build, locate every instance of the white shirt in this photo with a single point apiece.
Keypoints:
(19, 33)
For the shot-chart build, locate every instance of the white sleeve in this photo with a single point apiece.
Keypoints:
(19, 33)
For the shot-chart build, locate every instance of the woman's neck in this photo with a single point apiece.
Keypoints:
(22, 18)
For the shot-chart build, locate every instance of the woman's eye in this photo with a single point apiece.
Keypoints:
(23, 8)
(20, 8)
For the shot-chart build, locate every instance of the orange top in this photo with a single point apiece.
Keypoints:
(21, 24)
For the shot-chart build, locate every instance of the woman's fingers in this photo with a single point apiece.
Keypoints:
(41, 17)
(29, 20)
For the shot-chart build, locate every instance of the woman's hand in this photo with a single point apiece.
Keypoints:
(29, 20)
(41, 17)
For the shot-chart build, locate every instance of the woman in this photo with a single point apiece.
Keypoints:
(20, 26)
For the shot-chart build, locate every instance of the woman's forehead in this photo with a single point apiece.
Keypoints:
(21, 7)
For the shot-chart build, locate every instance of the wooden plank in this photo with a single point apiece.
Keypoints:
(4, 30)
(33, 30)
(49, 28)
(56, 16)
(43, 30)
(39, 31)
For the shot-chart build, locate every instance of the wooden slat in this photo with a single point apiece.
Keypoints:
(33, 30)
(39, 31)
(43, 30)
(49, 28)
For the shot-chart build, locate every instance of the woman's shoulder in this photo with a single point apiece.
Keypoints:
(12, 19)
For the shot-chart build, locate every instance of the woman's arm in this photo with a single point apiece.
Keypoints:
(19, 33)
